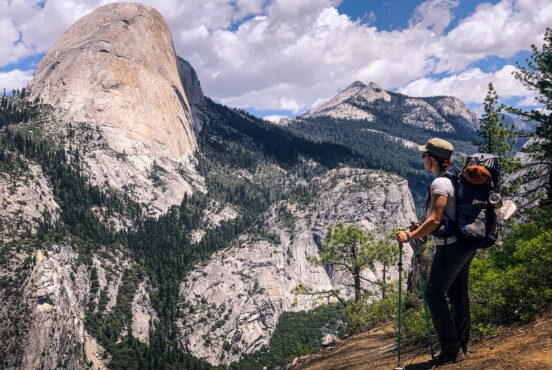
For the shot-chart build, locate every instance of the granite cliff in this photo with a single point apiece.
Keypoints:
(115, 71)
(233, 303)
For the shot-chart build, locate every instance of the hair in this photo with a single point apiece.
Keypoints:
(444, 164)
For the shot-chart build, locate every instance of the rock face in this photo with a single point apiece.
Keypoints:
(360, 102)
(340, 107)
(232, 304)
(194, 93)
(449, 106)
(117, 88)
(58, 296)
(27, 198)
(47, 318)
(212, 218)
(117, 67)
(142, 314)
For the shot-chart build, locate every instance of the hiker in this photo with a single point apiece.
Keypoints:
(448, 275)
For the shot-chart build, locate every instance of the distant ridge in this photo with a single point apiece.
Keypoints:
(361, 102)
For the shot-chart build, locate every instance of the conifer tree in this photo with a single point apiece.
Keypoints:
(537, 76)
(350, 249)
(496, 135)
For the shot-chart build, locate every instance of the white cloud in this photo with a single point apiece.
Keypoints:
(470, 86)
(502, 29)
(28, 29)
(434, 14)
(289, 54)
(274, 118)
(14, 79)
(529, 101)
(294, 55)
(9, 42)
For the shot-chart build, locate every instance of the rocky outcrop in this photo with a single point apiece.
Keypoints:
(422, 114)
(213, 216)
(194, 93)
(463, 116)
(156, 183)
(117, 67)
(95, 353)
(42, 325)
(143, 314)
(27, 200)
(117, 88)
(233, 303)
(110, 277)
(57, 292)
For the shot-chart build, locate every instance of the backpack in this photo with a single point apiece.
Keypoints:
(477, 225)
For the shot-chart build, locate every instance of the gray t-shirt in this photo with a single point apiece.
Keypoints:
(443, 186)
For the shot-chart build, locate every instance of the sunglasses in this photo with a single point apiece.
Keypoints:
(425, 154)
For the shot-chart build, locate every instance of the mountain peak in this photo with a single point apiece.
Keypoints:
(356, 84)
(374, 86)
(340, 107)
(116, 68)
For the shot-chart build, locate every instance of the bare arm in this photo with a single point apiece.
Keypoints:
(438, 204)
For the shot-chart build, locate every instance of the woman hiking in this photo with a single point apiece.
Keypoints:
(448, 275)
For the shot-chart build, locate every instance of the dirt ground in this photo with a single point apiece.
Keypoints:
(520, 347)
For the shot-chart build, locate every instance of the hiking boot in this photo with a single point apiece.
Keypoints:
(449, 358)
(465, 349)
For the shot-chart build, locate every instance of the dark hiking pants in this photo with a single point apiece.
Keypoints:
(448, 277)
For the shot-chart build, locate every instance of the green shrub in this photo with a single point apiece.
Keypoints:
(414, 327)
(365, 315)
(513, 282)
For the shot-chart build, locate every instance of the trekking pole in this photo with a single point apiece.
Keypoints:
(415, 245)
(399, 367)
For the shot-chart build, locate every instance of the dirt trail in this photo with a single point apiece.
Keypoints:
(519, 347)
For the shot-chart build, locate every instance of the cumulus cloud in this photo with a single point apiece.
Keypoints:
(10, 42)
(501, 29)
(470, 86)
(290, 55)
(434, 14)
(14, 79)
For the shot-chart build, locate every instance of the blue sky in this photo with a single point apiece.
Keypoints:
(282, 57)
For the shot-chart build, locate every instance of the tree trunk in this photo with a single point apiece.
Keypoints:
(383, 286)
(357, 283)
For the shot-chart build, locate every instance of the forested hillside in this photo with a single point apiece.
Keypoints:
(387, 141)
(233, 146)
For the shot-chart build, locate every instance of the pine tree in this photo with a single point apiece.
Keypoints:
(537, 76)
(350, 249)
(496, 135)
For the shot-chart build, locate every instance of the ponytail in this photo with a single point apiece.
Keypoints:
(444, 164)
